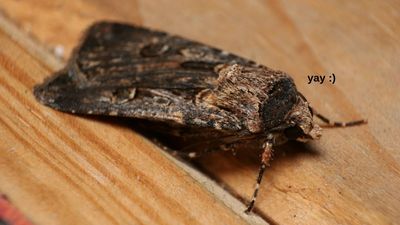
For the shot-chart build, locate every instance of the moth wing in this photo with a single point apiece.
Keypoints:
(130, 71)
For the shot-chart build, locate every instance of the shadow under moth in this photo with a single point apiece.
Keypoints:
(211, 99)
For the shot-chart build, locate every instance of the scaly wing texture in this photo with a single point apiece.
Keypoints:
(124, 70)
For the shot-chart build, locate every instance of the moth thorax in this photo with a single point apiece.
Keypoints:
(249, 92)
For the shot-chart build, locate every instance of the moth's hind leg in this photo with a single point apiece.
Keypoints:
(199, 148)
(200, 153)
(337, 123)
(190, 155)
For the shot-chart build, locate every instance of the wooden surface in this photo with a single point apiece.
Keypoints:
(64, 169)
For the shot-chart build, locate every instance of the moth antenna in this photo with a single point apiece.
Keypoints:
(265, 158)
(338, 123)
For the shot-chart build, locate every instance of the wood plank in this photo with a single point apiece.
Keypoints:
(58, 169)
(350, 176)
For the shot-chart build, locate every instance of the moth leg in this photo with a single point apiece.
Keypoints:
(194, 154)
(337, 123)
(265, 159)
(206, 150)
(190, 155)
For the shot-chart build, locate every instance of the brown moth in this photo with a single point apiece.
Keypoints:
(208, 98)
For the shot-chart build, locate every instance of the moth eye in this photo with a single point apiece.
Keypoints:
(153, 50)
(292, 133)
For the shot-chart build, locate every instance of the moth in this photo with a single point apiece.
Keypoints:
(210, 99)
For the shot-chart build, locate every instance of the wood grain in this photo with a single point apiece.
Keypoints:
(350, 176)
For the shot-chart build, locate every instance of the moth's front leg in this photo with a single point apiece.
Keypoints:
(265, 159)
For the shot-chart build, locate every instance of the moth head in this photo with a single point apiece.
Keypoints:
(300, 124)
(286, 112)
